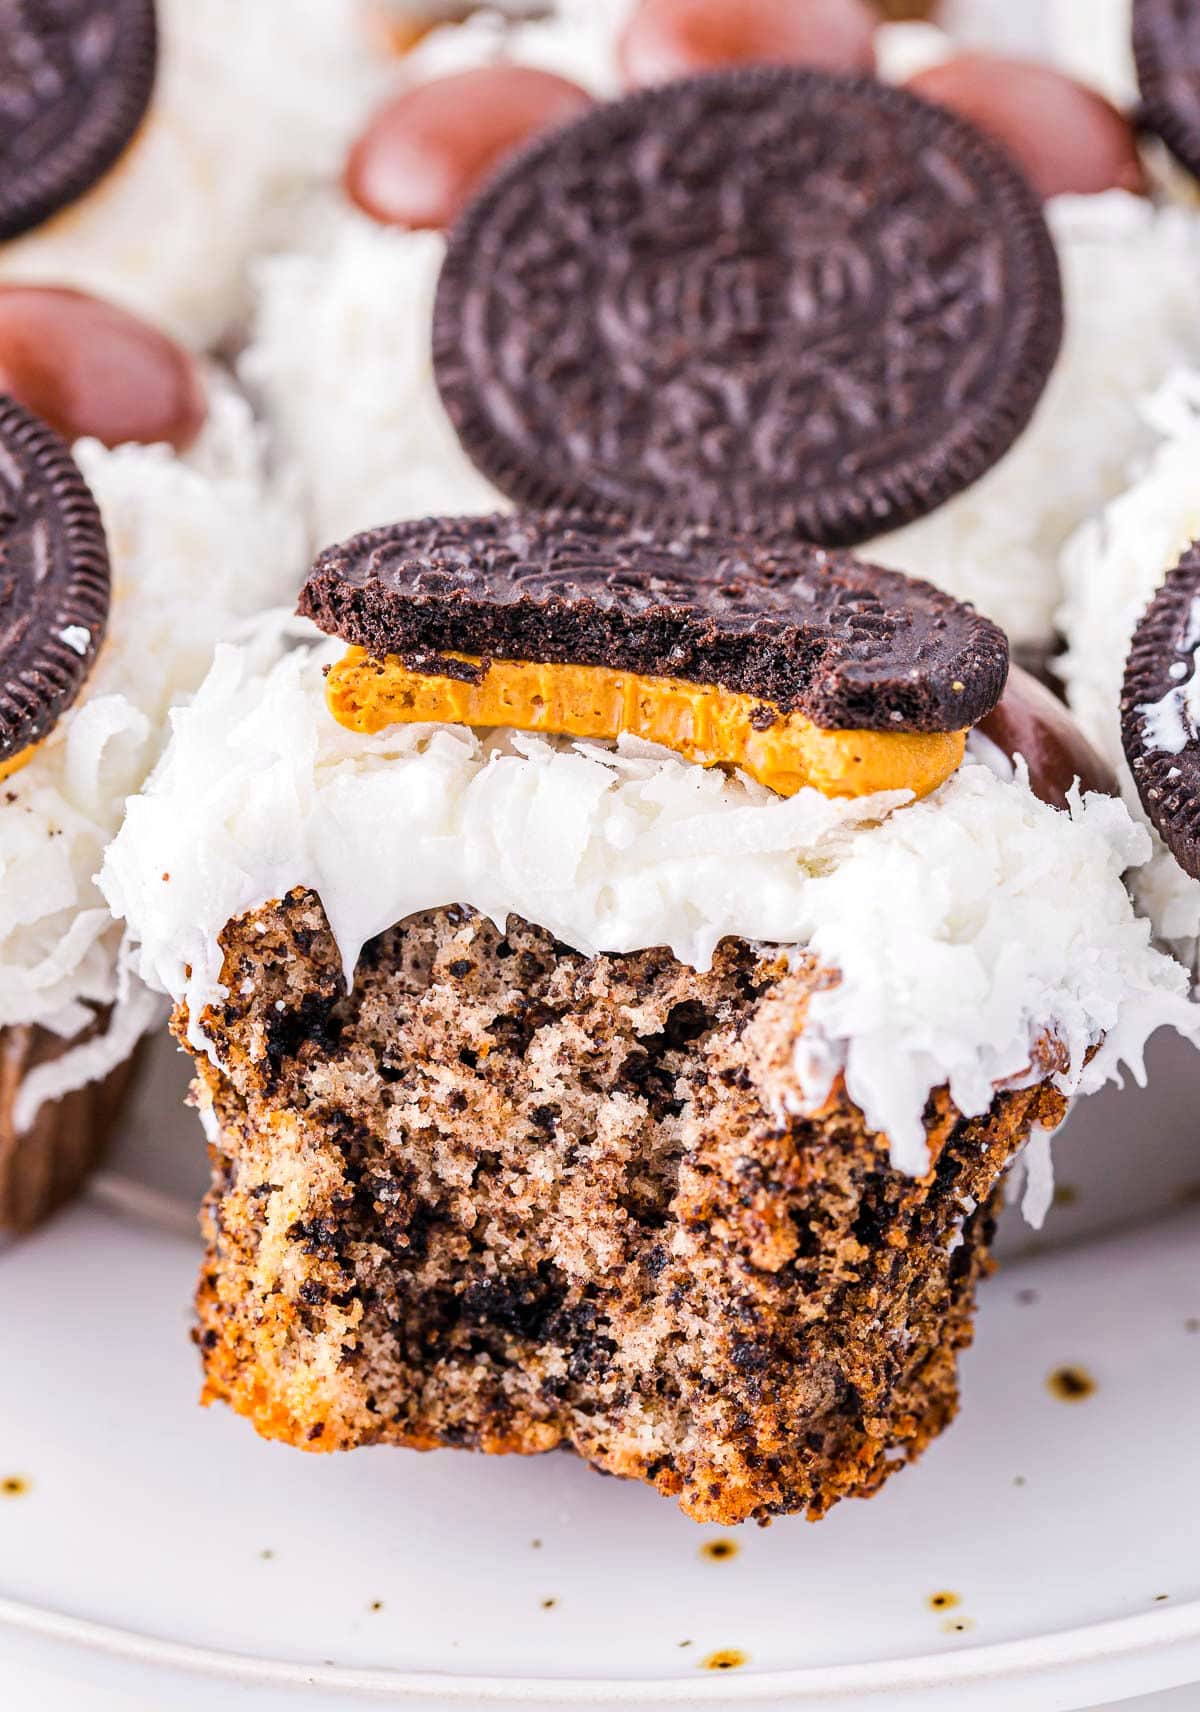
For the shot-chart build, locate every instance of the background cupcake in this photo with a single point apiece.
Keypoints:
(196, 540)
(119, 115)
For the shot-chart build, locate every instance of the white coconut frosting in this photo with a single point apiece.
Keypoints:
(964, 928)
(1111, 569)
(341, 329)
(196, 544)
(169, 231)
(1129, 274)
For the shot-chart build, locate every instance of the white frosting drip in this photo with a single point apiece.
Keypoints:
(1129, 274)
(1035, 1165)
(197, 544)
(964, 928)
(1171, 723)
(1111, 568)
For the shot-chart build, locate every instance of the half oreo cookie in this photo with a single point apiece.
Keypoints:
(849, 645)
(76, 77)
(772, 300)
(1160, 711)
(1166, 48)
(54, 580)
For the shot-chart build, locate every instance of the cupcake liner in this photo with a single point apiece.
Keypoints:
(44, 1165)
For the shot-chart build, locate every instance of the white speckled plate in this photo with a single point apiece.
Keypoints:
(1042, 1555)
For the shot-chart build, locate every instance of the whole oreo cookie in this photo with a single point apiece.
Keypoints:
(1166, 48)
(54, 579)
(850, 645)
(1160, 711)
(770, 299)
(76, 78)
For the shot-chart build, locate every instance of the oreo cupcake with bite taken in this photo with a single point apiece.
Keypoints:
(138, 527)
(620, 966)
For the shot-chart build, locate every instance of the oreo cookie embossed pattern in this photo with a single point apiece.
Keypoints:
(76, 78)
(770, 299)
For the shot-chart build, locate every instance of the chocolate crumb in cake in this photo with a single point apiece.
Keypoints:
(507, 1197)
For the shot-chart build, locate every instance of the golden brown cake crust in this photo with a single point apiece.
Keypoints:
(507, 1197)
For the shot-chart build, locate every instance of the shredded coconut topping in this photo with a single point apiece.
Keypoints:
(344, 312)
(1111, 568)
(196, 546)
(966, 930)
(342, 334)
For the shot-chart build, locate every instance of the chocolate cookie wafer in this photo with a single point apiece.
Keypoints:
(769, 299)
(1160, 711)
(54, 581)
(725, 650)
(1166, 48)
(76, 78)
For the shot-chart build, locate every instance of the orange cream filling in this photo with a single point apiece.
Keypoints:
(711, 726)
(13, 763)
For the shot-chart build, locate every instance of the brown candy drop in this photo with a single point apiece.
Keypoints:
(675, 38)
(1029, 720)
(425, 153)
(89, 368)
(1068, 139)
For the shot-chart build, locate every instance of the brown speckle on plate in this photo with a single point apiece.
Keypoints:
(957, 1625)
(1070, 1384)
(549, 1604)
(944, 1601)
(719, 1550)
(1065, 1194)
(1027, 1298)
(725, 1658)
(377, 1605)
(14, 1486)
